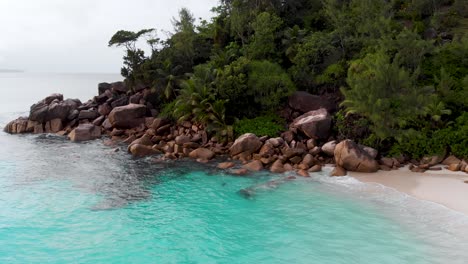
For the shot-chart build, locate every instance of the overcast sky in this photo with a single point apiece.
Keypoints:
(72, 35)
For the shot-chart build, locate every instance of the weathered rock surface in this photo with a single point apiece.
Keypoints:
(85, 132)
(314, 124)
(247, 143)
(139, 150)
(255, 165)
(451, 160)
(18, 126)
(128, 116)
(277, 167)
(353, 157)
(226, 165)
(202, 153)
(338, 172)
(329, 148)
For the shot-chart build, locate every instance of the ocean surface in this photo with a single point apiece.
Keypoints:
(62, 202)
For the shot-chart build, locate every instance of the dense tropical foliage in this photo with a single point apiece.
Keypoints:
(397, 68)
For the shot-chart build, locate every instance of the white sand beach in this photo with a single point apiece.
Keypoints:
(442, 187)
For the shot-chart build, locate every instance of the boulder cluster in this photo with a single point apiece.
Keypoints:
(127, 116)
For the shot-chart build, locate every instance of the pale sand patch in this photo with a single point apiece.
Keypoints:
(442, 187)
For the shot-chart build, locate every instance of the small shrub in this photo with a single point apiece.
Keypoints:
(268, 125)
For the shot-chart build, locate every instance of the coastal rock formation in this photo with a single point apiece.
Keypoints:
(128, 116)
(314, 124)
(329, 148)
(18, 126)
(338, 172)
(255, 165)
(139, 150)
(248, 144)
(85, 132)
(202, 153)
(353, 157)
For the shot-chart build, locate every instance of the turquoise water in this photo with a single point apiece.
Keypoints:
(82, 203)
(62, 202)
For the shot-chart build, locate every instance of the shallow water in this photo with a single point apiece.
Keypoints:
(62, 202)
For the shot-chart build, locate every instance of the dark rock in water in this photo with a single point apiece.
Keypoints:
(305, 102)
(128, 116)
(246, 193)
(85, 132)
(18, 126)
(314, 124)
(39, 112)
(102, 87)
(58, 111)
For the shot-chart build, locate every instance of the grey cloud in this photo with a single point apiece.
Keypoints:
(72, 35)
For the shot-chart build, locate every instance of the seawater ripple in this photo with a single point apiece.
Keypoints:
(82, 203)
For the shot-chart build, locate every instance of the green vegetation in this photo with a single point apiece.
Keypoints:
(399, 68)
(267, 125)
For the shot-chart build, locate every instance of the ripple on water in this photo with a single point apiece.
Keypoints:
(64, 203)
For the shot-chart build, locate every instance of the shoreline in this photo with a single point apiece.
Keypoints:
(444, 187)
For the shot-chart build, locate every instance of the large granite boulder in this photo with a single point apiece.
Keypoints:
(139, 150)
(248, 143)
(119, 87)
(53, 107)
(202, 154)
(305, 102)
(314, 124)
(18, 126)
(352, 157)
(128, 116)
(85, 132)
(38, 112)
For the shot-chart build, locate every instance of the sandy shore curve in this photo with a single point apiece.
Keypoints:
(443, 187)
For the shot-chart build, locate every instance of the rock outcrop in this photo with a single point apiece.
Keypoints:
(248, 144)
(128, 116)
(85, 132)
(314, 124)
(353, 157)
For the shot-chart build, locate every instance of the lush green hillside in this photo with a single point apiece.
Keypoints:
(397, 69)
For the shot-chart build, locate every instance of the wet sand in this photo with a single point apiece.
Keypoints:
(442, 187)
